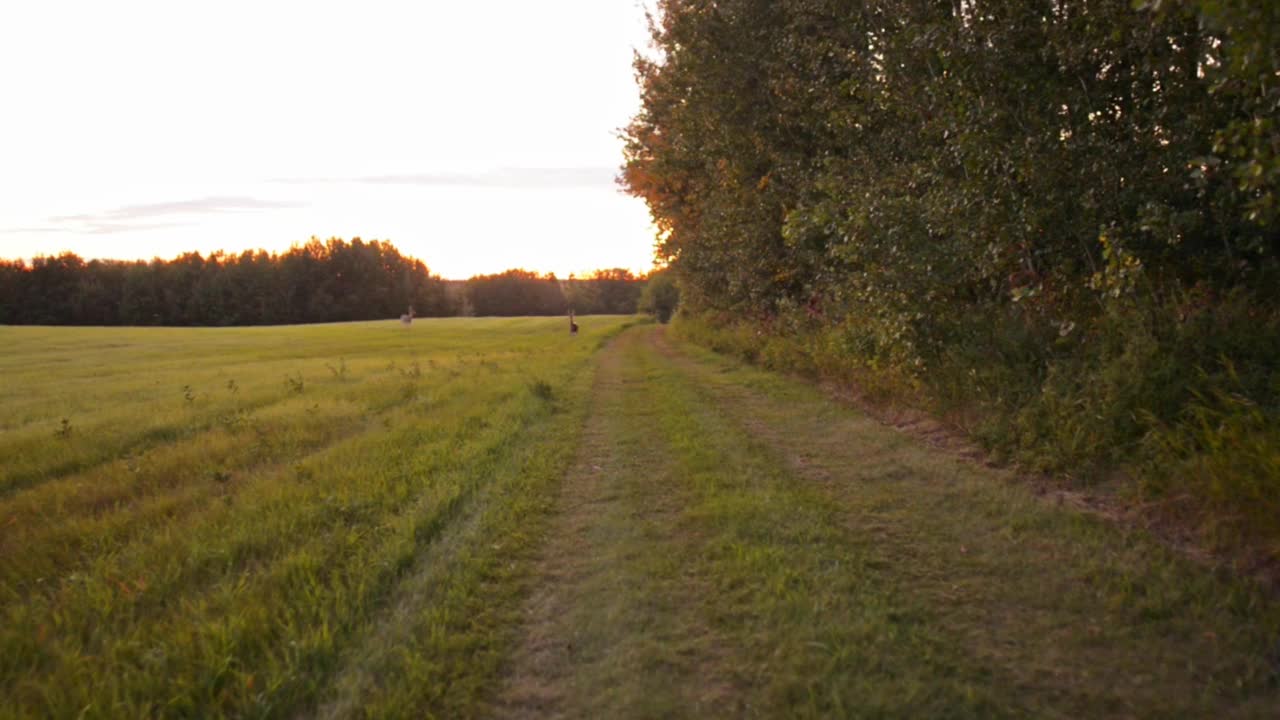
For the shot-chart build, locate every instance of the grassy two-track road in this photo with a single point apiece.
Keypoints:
(731, 543)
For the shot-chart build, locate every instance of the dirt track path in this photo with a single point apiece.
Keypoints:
(731, 543)
(613, 622)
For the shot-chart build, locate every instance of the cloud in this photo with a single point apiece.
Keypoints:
(107, 228)
(519, 178)
(132, 218)
(32, 229)
(200, 206)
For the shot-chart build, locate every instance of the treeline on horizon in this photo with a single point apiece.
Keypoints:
(1053, 222)
(331, 281)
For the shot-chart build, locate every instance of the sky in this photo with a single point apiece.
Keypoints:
(476, 136)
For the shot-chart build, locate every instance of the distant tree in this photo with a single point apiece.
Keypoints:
(98, 293)
(457, 298)
(661, 296)
(516, 292)
(521, 292)
(139, 301)
(581, 295)
(53, 289)
(617, 291)
(314, 282)
(317, 281)
(13, 288)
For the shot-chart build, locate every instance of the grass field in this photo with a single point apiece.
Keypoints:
(490, 518)
(226, 521)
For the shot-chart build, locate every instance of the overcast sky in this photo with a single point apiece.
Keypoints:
(475, 135)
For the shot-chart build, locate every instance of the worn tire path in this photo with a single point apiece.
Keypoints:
(611, 623)
(731, 543)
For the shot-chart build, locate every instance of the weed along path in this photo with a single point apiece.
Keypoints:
(731, 543)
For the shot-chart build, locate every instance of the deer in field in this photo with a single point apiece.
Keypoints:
(573, 326)
(407, 318)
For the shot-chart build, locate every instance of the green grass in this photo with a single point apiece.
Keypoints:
(1177, 419)
(232, 512)
(908, 582)
(745, 547)
(490, 518)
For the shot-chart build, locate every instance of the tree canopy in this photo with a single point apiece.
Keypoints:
(314, 282)
(1063, 212)
(330, 281)
(888, 156)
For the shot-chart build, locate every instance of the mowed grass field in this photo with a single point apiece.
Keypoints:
(489, 518)
(202, 522)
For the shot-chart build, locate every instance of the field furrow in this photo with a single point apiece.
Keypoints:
(248, 600)
(73, 521)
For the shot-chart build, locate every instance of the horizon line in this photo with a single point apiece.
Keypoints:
(576, 274)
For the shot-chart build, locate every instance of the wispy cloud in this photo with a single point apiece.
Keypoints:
(520, 178)
(133, 218)
(32, 229)
(200, 206)
(108, 228)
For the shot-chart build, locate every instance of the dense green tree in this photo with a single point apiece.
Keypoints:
(660, 297)
(617, 292)
(1049, 198)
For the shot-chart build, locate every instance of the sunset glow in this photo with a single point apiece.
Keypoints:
(476, 136)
